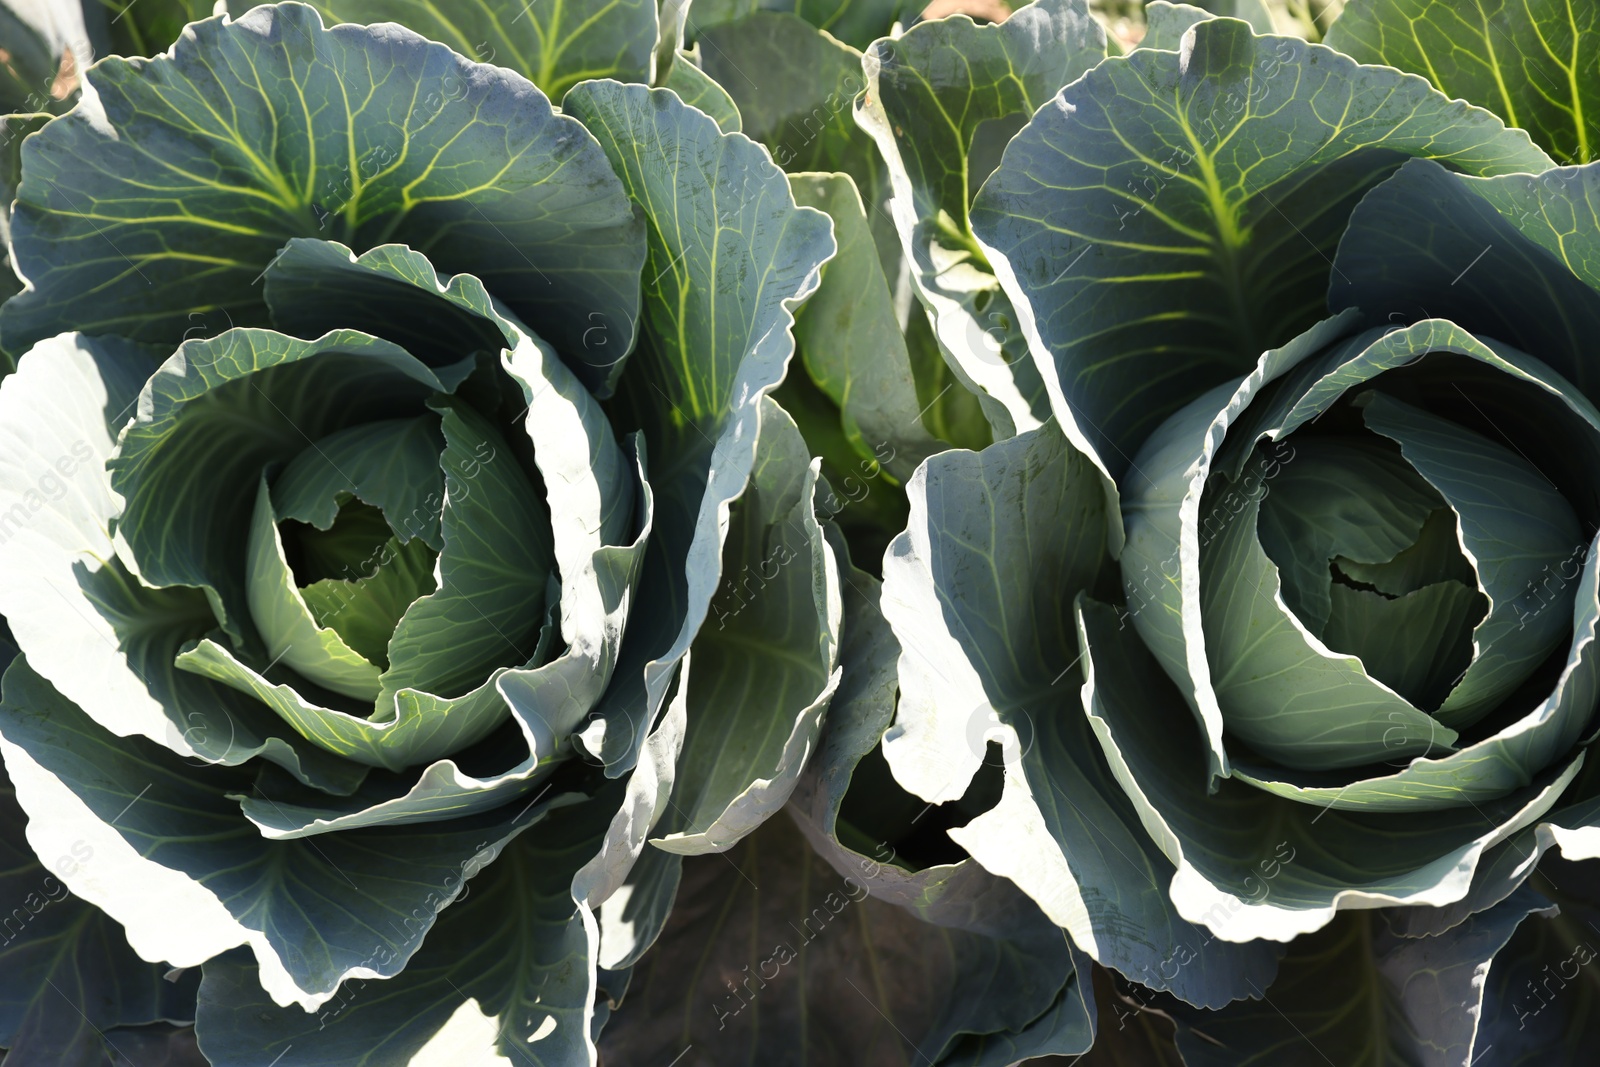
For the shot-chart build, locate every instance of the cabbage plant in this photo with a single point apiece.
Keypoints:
(1286, 616)
(493, 580)
(369, 467)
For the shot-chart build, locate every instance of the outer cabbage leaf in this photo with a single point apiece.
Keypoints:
(851, 344)
(553, 43)
(857, 23)
(697, 89)
(748, 715)
(68, 583)
(67, 975)
(794, 86)
(730, 254)
(1541, 993)
(960, 895)
(978, 590)
(1451, 830)
(72, 601)
(1174, 241)
(508, 976)
(1327, 860)
(152, 210)
(168, 841)
(1515, 258)
(1532, 62)
(765, 673)
(865, 403)
(1355, 994)
(729, 257)
(771, 954)
(941, 100)
(1166, 23)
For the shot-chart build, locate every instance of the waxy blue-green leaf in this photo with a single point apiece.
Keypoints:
(855, 22)
(851, 344)
(1535, 63)
(764, 673)
(1438, 980)
(1541, 593)
(67, 974)
(1166, 23)
(630, 884)
(794, 87)
(1251, 864)
(553, 43)
(1173, 214)
(941, 102)
(1573, 829)
(961, 895)
(861, 710)
(730, 258)
(730, 255)
(598, 543)
(154, 208)
(597, 537)
(979, 592)
(189, 878)
(771, 955)
(1541, 998)
(1515, 258)
(220, 411)
(697, 89)
(507, 976)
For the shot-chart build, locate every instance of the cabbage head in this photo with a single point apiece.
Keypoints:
(1286, 616)
(375, 440)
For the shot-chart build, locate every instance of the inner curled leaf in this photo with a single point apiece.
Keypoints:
(357, 577)
(1409, 619)
(1371, 564)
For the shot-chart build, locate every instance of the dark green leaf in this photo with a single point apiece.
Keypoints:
(153, 210)
(506, 977)
(764, 673)
(772, 956)
(67, 974)
(1174, 214)
(979, 591)
(941, 101)
(1535, 63)
(729, 256)
(553, 43)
